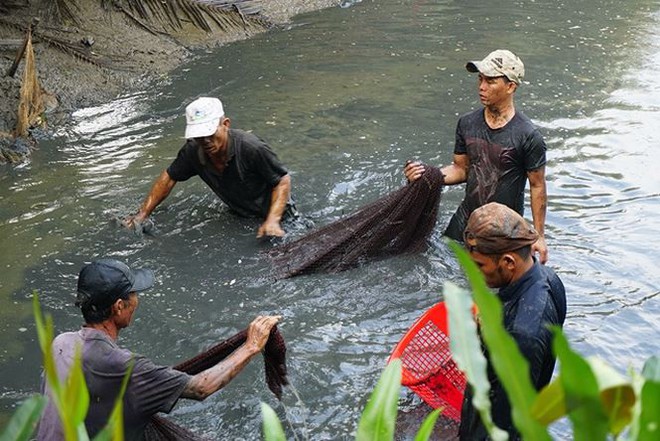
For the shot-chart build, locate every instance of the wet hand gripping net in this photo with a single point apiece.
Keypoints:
(397, 223)
(161, 429)
(427, 365)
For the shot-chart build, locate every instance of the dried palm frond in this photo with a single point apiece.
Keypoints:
(70, 49)
(62, 10)
(227, 15)
(30, 105)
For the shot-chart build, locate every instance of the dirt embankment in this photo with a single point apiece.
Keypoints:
(109, 52)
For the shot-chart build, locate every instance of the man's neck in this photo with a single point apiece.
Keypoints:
(497, 116)
(107, 327)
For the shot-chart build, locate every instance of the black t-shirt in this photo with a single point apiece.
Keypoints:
(499, 162)
(530, 304)
(247, 181)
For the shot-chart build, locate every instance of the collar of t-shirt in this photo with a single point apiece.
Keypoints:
(231, 149)
(515, 289)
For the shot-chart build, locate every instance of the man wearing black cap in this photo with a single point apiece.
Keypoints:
(107, 297)
(497, 150)
(500, 242)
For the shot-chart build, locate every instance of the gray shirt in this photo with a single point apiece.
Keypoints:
(151, 388)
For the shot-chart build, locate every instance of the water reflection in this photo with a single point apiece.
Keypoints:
(345, 97)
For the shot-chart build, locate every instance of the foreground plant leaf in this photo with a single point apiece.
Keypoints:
(649, 419)
(466, 352)
(23, 422)
(379, 416)
(581, 390)
(271, 424)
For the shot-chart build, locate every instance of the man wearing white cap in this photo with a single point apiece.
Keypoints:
(238, 166)
(497, 150)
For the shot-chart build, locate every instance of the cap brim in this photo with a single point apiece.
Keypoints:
(471, 66)
(144, 279)
(202, 129)
(482, 68)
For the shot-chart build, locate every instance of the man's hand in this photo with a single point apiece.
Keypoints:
(270, 228)
(259, 331)
(134, 222)
(540, 247)
(413, 170)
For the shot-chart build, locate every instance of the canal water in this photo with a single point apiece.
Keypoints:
(345, 96)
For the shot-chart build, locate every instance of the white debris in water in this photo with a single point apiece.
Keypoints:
(22, 329)
(232, 282)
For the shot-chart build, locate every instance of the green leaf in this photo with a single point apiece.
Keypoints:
(651, 369)
(426, 429)
(23, 422)
(550, 403)
(649, 419)
(271, 424)
(379, 416)
(508, 363)
(616, 394)
(582, 394)
(466, 352)
(75, 391)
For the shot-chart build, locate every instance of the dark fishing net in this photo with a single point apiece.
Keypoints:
(161, 429)
(397, 223)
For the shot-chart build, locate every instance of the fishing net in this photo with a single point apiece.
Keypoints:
(397, 223)
(161, 429)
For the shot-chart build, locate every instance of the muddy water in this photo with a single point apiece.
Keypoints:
(345, 96)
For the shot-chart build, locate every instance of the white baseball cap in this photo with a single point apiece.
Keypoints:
(203, 116)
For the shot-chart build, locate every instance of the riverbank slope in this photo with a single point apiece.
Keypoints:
(109, 52)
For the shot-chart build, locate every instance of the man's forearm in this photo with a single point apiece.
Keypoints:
(453, 174)
(279, 198)
(216, 377)
(159, 191)
(538, 198)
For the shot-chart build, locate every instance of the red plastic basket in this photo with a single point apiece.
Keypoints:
(427, 366)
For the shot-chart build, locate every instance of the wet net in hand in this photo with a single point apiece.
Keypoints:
(161, 429)
(397, 223)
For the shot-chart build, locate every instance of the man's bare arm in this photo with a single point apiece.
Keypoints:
(216, 377)
(539, 202)
(159, 191)
(279, 198)
(454, 173)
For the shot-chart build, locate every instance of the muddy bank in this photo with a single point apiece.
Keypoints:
(109, 52)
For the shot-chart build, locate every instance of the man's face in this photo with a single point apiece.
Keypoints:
(216, 143)
(128, 309)
(494, 90)
(496, 269)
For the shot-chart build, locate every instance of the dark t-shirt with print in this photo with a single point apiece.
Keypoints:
(499, 161)
(151, 389)
(247, 181)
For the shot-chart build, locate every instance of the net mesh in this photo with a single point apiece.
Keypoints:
(161, 429)
(397, 223)
(429, 370)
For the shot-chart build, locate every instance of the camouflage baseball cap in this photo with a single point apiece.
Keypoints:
(499, 63)
(495, 229)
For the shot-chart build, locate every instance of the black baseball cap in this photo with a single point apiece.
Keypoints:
(103, 281)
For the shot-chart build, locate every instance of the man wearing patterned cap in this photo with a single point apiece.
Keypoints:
(238, 166)
(497, 150)
(500, 241)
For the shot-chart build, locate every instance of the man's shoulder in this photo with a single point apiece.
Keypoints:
(246, 140)
(472, 117)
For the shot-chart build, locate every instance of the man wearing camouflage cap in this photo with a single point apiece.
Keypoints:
(500, 242)
(497, 150)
